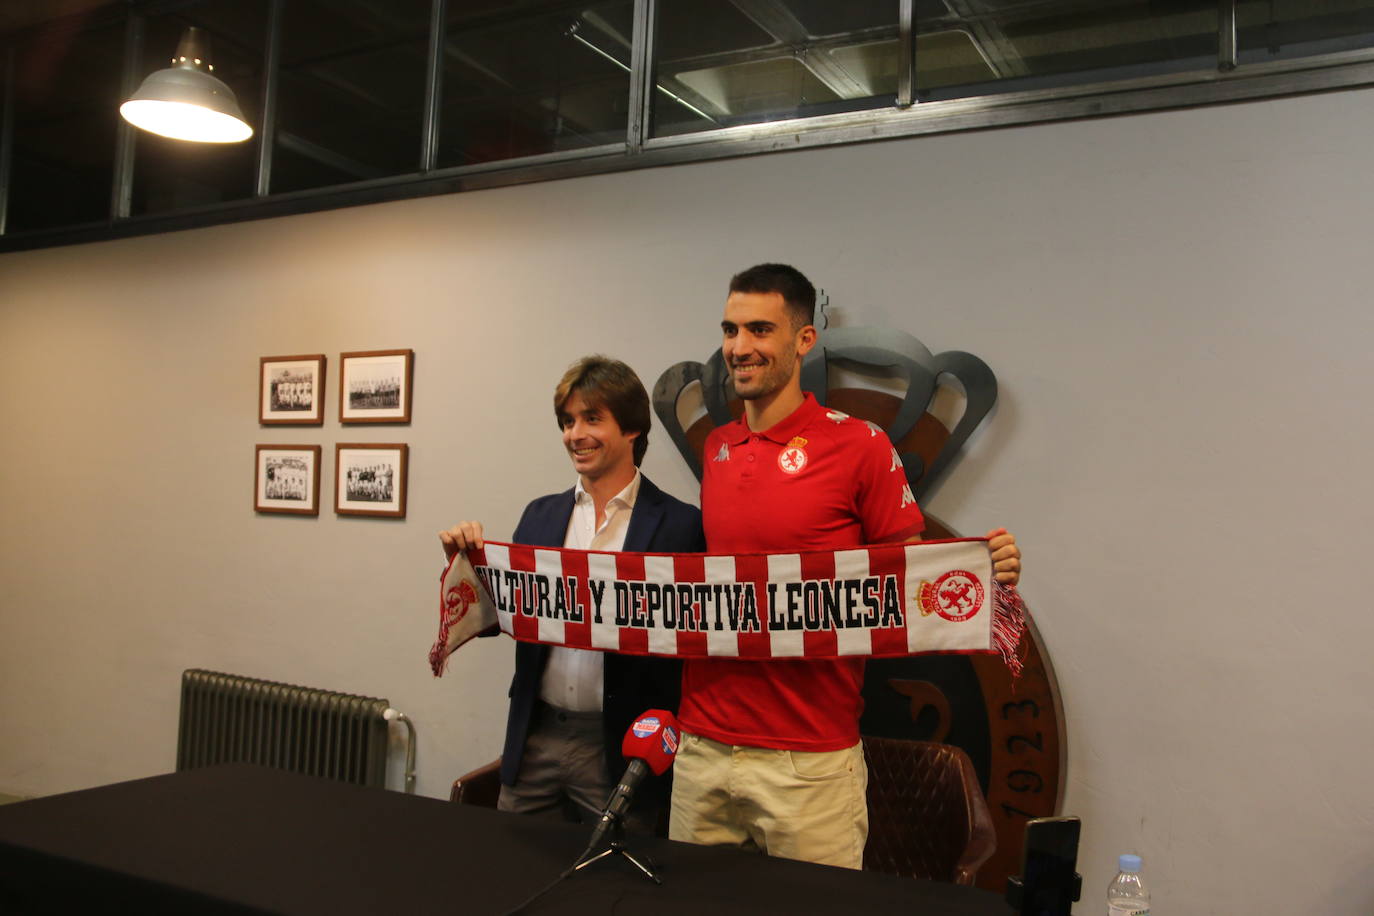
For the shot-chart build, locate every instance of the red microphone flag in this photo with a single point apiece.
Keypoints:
(653, 737)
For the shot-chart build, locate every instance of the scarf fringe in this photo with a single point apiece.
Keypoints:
(1008, 626)
(454, 604)
(438, 654)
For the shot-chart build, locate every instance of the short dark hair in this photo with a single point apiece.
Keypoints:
(608, 383)
(784, 279)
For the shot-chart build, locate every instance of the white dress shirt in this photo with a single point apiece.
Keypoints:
(574, 678)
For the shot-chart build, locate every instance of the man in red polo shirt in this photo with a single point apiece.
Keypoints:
(771, 756)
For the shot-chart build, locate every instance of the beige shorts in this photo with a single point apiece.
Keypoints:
(808, 805)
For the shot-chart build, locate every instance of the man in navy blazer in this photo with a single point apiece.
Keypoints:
(570, 708)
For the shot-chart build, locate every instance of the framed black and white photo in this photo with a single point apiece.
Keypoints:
(291, 390)
(370, 479)
(374, 386)
(287, 479)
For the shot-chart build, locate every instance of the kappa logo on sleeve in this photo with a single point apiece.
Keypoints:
(724, 453)
(908, 498)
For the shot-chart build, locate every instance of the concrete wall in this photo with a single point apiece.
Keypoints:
(1172, 303)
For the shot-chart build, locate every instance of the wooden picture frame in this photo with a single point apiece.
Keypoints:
(375, 386)
(371, 478)
(291, 390)
(287, 479)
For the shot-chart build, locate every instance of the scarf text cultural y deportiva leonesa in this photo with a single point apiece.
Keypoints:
(880, 601)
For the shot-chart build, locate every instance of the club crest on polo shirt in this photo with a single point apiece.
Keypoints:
(646, 726)
(724, 453)
(792, 458)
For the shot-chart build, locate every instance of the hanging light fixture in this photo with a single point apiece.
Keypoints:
(185, 102)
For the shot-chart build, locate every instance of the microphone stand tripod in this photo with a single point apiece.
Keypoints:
(616, 846)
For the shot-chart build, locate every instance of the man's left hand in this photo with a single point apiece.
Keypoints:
(1006, 556)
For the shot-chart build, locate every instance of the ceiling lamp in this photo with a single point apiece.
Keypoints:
(185, 102)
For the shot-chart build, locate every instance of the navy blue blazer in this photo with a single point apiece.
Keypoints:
(659, 523)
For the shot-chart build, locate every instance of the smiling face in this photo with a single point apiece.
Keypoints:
(761, 346)
(594, 440)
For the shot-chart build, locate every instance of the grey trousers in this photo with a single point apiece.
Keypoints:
(563, 771)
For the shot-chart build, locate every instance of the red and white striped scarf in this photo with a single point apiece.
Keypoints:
(866, 602)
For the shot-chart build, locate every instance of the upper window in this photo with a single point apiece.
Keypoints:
(350, 91)
(1281, 29)
(517, 83)
(718, 63)
(510, 90)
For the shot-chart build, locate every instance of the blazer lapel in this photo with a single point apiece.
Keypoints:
(646, 517)
(551, 526)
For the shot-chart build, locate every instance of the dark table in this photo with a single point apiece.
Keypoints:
(246, 839)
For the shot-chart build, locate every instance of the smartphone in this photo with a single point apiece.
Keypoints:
(1049, 883)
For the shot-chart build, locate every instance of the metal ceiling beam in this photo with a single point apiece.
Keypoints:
(434, 84)
(906, 53)
(122, 183)
(7, 139)
(1226, 41)
(641, 75)
(777, 20)
(267, 130)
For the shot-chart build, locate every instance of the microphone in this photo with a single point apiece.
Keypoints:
(650, 745)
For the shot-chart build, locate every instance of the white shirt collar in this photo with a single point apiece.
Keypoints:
(624, 499)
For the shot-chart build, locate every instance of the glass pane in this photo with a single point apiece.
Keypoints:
(350, 91)
(66, 110)
(719, 63)
(972, 49)
(1277, 29)
(174, 174)
(517, 84)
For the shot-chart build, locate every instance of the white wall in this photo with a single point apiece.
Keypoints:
(1173, 304)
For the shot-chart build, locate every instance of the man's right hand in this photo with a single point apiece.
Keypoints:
(460, 537)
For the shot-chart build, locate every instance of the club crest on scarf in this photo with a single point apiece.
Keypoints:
(955, 596)
(457, 601)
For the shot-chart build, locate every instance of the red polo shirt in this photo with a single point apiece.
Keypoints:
(818, 479)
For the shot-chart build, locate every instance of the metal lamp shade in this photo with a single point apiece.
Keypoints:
(187, 105)
(185, 102)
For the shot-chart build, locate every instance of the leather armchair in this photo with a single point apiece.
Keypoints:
(927, 817)
(480, 787)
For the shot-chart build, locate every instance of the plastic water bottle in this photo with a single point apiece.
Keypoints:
(1127, 894)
